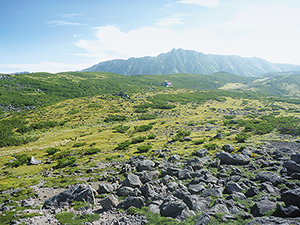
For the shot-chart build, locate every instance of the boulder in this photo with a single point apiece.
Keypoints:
(137, 202)
(269, 176)
(132, 181)
(292, 166)
(79, 192)
(184, 174)
(202, 152)
(272, 221)
(203, 219)
(291, 197)
(196, 163)
(219, 208)
(252, 191)
(288, 211)
(172, 207)
(296, 157)
(213, 191)
(232, 187)
(174, 158)
(34, 161)
(233, 159)
(109, 202)
(105, 188)
(123, 191)
(196, 188)
(197, 203)
(145, 165)
(228, 148)
(262, 207)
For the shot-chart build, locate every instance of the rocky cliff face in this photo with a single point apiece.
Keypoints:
(187, 61)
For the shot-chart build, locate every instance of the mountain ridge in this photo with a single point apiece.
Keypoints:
(190, 61)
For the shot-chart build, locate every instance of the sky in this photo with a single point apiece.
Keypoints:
(68, 35)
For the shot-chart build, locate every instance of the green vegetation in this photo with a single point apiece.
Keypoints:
(20, 160)
(147, 117)
(121, 129)
(143, 128)
(114, 118)
(138, 139)
(92, 151)
(144, 148)
(52, 151)
(64, 162)
(69, 218)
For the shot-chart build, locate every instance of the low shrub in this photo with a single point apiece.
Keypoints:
(92, 151)
(64, 162)
(20, 160)
(143, 128)
(210, 146)
(123, 145)
(80, 144)
(52, 151)
(241, 138)
(199, 142)
(151, 136)
(147, 117)
(113, 118)
(121, 129)
(144, 148)
(138, 139)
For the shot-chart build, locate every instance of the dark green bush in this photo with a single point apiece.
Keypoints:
(147, 117)
(64, 162)
(20, 160)
(80, 144)
(92, 151)
(113, 118)
(210, 146)
(241, 138)
(181, 134)
(123, 145)
(121, 129)
(143, 128)
(138, 139)
(199, 142)
(144, 148)
(151, 136)
(52, 151)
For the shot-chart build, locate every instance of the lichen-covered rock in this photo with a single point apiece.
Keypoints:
(233, 159)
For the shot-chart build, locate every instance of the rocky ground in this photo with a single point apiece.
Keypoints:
(256, 185)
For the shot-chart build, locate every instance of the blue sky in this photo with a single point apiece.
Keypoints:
(67, 35)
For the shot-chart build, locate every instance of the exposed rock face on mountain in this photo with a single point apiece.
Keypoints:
(187, 61)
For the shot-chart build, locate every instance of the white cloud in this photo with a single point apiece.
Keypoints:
(56, 23)
(173, 20)
(205, 3)
(51, 67)
(270, 33)
(70, 16)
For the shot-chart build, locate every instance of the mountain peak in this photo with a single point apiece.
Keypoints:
(190, 61)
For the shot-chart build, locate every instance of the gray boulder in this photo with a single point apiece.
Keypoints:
(145, 165)
(288, 211)
(196, 163)
(292, 166)
(196, 188)
(196, 203)
(233, 159)
(291, 197)
(137, 202)
(232, 187)
(79, 192)
(132, 181)
(228, 148)
(123, 191)
(269, 176)
(109, 202)
(262, 207)
(202, 152)
(252, 191)
(174, 158)
(296, 157)
(34, 161)
(105, 188)
(213, 191)
(172, 207)
(203, 219)
(219, 208)
(272, 221)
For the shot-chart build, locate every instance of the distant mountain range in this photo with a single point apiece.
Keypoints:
(188, 61)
